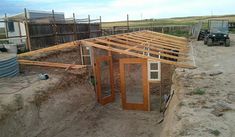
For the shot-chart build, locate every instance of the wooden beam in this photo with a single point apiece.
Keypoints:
(49, 49)
(142, 44)
(144, 39)
(157, 40)
(51, 64)
(87, 43)
(134, 39)
(141, 50)
(163, 39)
(167, 35)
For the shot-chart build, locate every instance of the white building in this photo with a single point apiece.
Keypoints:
(16, 24)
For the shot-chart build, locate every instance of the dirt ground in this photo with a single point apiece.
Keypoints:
(204, 101)
(203, 104)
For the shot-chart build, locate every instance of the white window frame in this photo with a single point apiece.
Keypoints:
(158, 70)
(86, 55)
(149, 66)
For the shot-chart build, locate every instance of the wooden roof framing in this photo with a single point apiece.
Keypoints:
(171, 49)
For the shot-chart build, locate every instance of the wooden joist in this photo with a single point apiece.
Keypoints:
(91, 44)
(141, 50)
(51, 64)
(161, 39)
(142, 44)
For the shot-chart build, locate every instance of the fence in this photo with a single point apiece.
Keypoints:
(42, 32)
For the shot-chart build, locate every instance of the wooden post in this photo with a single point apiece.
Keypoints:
(20, 32)
(54, 27)
(6, 25)
(127, 23)
(28, 43)
(89, 26)
(74, 28)
(100, 26)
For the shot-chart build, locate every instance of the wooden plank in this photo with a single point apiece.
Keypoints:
(162, 38)
(141, 50)
(134, 39)
(156, 40)
(167, 35)
(50, 64)
(141, 44)
(145, 39)
(86, 43)
(49, 49)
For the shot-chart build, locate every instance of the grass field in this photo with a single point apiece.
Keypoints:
(169, 21)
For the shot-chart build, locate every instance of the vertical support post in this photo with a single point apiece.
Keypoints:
(127, 22)
(28, 43)
(161, 92)
(74, 28)
(54, 28)
(20, 32)
(6, 25)
(100, 27)
(89, 26)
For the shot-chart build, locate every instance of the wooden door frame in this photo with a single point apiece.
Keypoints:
(110, 98)
(135, 106)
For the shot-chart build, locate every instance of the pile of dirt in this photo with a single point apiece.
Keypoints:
(204, 103)
(33, 107)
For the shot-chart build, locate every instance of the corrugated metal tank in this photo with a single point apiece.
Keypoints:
(9, 66)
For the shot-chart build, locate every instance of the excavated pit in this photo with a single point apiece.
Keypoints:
(65, 104)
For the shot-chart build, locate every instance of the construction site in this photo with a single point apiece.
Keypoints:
(69, 77)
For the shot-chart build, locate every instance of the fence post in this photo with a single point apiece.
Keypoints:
(74, 28)
(100, 27)
(6, 25)
(89, 26)
(54, 27)
(127, 21)
(28, 43)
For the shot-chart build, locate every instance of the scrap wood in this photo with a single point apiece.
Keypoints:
(51, 64)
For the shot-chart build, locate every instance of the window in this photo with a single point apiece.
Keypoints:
(154, 67)
(154, 70)
(86, 55)
(10, 26)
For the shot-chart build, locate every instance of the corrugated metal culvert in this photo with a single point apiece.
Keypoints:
(9, 66)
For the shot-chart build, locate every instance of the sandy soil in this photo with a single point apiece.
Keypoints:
(204, 102)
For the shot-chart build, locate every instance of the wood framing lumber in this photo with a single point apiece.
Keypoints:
(51, 64)
(162, 39)
(87, 43)
(167, 35)
(142, 44)
(157, 40)
(134, 39)
(52, 48)
(141, 50)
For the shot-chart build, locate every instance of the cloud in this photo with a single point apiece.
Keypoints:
(117, 9)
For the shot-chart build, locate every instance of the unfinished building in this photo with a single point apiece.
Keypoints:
(137, 66)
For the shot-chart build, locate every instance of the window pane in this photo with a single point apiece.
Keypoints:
(134, 83)
(153, 75)
(153, 66)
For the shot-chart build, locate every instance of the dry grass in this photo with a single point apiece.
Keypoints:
(170, 21)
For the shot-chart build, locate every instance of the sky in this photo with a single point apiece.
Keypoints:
(114, 10)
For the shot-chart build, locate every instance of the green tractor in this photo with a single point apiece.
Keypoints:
(218, 33)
